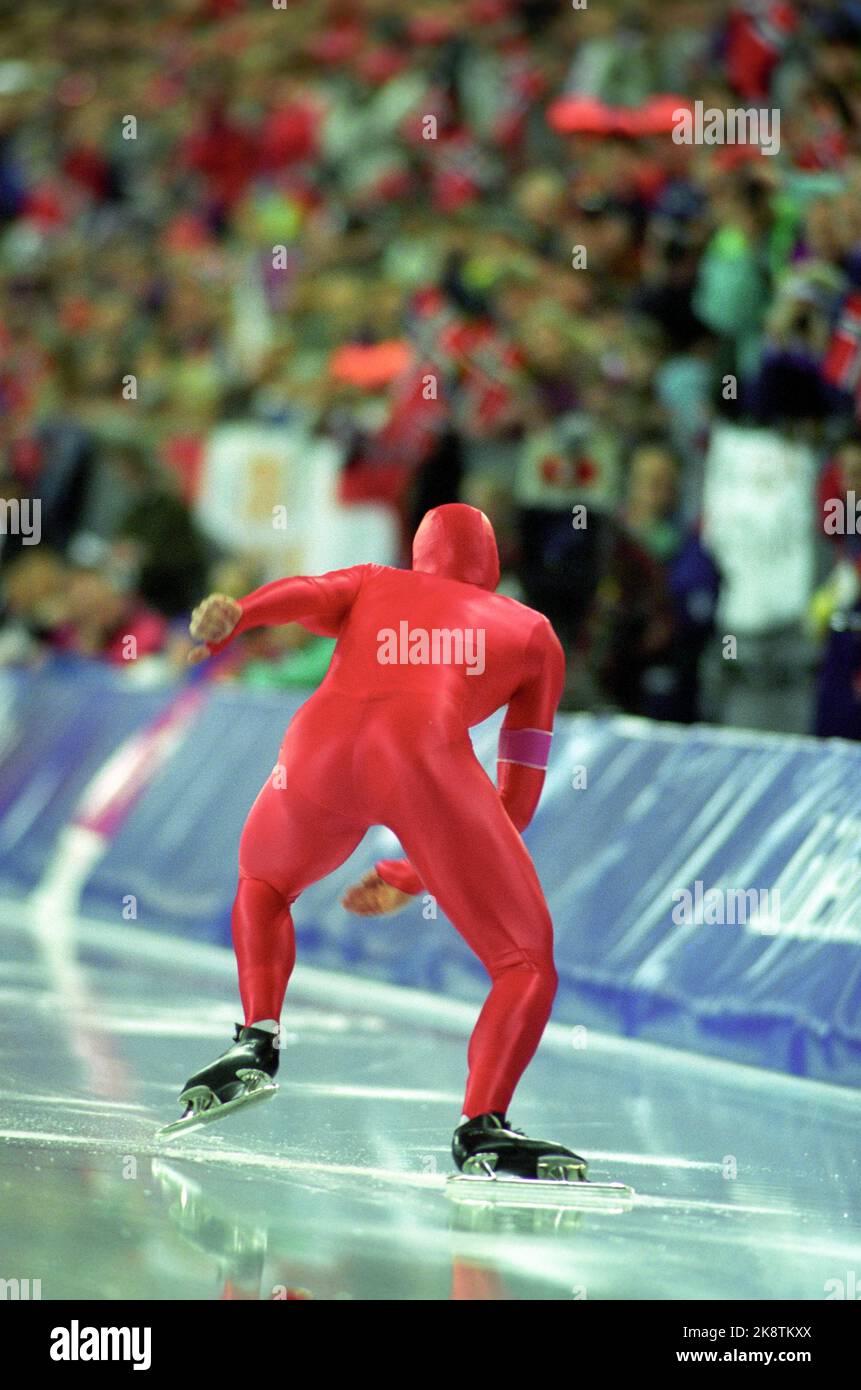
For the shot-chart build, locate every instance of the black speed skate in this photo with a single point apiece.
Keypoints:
(241, 1075)
(499, 1163)
(487, 1145)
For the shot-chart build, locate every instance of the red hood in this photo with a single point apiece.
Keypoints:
(457, 541)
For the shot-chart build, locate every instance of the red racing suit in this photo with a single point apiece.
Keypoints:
(422, 656)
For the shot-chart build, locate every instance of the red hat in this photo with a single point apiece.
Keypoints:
(657, 116)
(370, 365)
(582, 115)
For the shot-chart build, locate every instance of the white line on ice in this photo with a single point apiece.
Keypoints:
(42, 1098)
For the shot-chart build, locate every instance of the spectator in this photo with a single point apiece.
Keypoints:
(98, 620)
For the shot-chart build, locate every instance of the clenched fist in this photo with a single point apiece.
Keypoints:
(212, 621)
(373, 897)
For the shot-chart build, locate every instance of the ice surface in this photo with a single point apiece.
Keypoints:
(335, 1189)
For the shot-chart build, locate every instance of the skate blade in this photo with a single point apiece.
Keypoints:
(217, 1110)
(508, 1190)
(551, 1168)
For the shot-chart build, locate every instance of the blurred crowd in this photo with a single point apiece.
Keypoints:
(363, 217)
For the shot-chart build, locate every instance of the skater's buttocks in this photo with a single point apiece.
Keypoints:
(340, 750)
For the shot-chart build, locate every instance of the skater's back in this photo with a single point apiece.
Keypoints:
(409, 636)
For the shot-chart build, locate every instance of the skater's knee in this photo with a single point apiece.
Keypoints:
(536, 969)
(546, 972)
(261, 890)
(259, 865)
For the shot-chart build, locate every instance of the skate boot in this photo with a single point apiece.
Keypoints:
(487, 1146)
(500, 1166)
(241, 1075)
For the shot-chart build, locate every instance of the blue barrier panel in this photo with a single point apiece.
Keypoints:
(760, 962)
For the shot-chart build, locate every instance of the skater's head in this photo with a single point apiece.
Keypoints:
(457, 541)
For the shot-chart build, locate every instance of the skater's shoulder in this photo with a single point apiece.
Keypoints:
(535, 625)
(374, 570)
(371, 571)
(543, 648)
(396, 574)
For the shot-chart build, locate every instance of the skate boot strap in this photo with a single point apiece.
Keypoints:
(243, 1032)
(490, 1123)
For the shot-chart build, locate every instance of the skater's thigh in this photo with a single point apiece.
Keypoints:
(459, 838)
(291, 842)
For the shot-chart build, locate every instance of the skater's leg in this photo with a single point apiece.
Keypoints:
(264, 943)
(472, 859)
(287, 844)
(507, 1033)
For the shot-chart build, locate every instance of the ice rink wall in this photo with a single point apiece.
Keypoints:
(704, 883)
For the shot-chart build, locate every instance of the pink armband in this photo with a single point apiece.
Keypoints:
(529, 747)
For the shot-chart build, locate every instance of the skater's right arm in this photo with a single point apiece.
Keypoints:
(319, 602)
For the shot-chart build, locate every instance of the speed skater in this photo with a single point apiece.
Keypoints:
(422, 656)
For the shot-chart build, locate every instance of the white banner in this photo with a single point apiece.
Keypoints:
(758, 523)
(271, 491)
